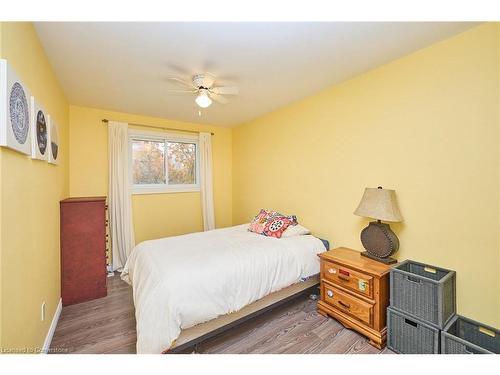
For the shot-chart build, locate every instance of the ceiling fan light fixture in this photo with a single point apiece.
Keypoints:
(203, 100)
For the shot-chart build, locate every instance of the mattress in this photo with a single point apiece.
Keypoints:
(182, 281)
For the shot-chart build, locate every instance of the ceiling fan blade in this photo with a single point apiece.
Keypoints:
(183, 91)
(218, 98)
(182, 82)
(225, 90)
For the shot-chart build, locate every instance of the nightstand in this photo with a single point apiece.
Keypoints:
(355, 291)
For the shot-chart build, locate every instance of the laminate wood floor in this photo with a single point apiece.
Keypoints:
(107, 325)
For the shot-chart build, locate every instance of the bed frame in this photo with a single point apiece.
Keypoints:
(191, 337)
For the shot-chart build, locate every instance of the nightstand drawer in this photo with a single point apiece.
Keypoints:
(346, 303)
(348, 278)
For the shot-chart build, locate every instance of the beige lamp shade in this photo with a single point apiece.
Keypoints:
(379, 204)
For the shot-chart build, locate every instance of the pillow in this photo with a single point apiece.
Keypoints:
(272, 213)
(276, 225)
(259, 222)
(295, 230)
(292, 218)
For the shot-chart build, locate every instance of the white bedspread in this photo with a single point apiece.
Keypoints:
(182, 281)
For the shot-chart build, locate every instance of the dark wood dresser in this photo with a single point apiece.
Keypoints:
(83, 249)
(355, 291)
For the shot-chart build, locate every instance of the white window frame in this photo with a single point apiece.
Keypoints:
(145, 135)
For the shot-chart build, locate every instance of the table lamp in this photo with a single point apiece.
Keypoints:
(377, 238)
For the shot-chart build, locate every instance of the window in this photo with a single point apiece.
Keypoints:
(162, 163)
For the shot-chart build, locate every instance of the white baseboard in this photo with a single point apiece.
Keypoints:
(52, 329)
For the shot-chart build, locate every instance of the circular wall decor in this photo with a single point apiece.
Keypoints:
(19, 113)
(54, 141)
(41, 132)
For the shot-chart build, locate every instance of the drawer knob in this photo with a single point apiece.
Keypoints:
(329, 293)
(332, 270)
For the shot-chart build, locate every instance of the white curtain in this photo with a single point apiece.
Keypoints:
(120, 203)
(206, 184)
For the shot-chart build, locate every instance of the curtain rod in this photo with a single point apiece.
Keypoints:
(105, 121)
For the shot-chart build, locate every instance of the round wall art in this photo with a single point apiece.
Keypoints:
(19, 113)
(41, 132)
(54, 142)
(16, 129)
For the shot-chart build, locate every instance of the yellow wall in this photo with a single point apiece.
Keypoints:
(425, 125)
(1, 300)
(30, 191)
(155, 215)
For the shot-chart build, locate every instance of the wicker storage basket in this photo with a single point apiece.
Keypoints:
(466, 336)
(407, 335)
(424, 291)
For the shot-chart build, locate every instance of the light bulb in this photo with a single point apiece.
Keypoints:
(202, 99)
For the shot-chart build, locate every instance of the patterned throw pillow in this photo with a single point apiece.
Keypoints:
(276, 225)
(292, 218)
(271, 223)
(259, 222)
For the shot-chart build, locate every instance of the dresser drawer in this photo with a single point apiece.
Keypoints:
(348, 304)
(348, 278)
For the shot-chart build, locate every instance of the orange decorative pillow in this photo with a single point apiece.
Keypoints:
(271, 223)
(276, 225)
(259, 222)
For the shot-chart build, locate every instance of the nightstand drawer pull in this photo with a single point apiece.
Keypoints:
(332, 270)
(329, 293)
(343, 277)
(343, 304)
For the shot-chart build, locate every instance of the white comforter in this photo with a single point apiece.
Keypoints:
(182, 281)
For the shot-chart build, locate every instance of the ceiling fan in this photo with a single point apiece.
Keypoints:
(203, 86)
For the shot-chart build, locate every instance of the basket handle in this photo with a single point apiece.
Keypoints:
(411, 323)
(413, 279)
(487, 331)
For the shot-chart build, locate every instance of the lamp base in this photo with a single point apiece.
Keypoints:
(387, 260)
(380, 242)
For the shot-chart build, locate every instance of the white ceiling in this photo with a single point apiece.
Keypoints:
(125, 66)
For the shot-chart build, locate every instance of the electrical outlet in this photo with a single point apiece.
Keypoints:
(42, 311)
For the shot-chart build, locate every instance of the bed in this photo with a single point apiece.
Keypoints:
(181, 282)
